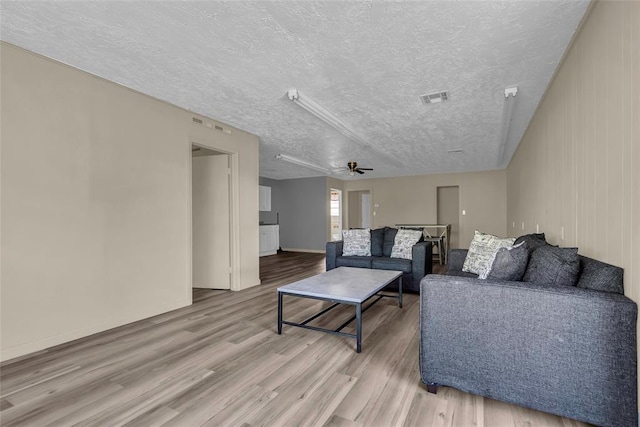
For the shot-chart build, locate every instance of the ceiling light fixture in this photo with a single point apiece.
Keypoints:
(507, 112)
(303, 163)
(334, 121)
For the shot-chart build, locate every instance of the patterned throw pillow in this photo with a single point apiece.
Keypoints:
(356, 242)
(403, 243)
(481, 252)
(509, 263)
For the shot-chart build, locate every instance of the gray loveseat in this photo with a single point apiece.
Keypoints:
(566, 350)
(381, 244)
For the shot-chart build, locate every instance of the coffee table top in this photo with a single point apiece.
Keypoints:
(347, 284)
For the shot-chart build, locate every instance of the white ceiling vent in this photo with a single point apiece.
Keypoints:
(434, 98)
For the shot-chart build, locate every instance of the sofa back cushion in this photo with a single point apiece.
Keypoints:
(389, 238)
(551, 265)
(377, 241)
(532, 240)
(600, 276)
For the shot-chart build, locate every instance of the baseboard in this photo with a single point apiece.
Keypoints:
(309, 251)
(27, 349)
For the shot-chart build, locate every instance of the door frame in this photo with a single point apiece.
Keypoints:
(234, 214)
(348, 202)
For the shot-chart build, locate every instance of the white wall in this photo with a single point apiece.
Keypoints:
(95, 216)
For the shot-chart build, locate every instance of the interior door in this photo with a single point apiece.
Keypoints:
(449, 212)
(211, 224)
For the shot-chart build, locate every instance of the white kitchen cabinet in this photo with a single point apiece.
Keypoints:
(265, 198)
(269, 239)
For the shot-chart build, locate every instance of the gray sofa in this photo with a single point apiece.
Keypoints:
(381, 244)
(566, 350)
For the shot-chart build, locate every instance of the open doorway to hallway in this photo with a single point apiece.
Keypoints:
(336, 214)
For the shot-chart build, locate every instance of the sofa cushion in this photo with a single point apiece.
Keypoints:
(600, 276)
(377, 241)
(389, 238)
(481, 251)
(551, 265)
(356, 242)
(384, 263)
(509, 263)
(532, 240)
(404, 241)
(353, 261)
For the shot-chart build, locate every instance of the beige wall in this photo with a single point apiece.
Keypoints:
(95, 215)
(413, 199)
(577, 167)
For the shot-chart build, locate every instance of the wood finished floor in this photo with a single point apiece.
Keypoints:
(220, 362)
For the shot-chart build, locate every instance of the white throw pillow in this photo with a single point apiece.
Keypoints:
(356, 242)
(403, 243)
(482, 251)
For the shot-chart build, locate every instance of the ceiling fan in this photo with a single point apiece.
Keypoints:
(353, 168)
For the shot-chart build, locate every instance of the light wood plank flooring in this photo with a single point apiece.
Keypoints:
(220, 362)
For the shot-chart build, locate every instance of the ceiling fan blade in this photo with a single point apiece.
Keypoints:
(359, 171)
(366, 169)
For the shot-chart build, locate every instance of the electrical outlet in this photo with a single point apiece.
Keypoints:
(537, 228)
(513, 224)
(523, 225)
(562, 233)
(464, 212)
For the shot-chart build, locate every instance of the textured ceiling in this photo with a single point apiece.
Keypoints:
(365, 61)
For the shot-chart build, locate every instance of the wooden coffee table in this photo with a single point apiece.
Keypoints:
(343, 285)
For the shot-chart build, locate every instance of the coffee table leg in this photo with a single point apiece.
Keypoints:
(358, 328)
(279, 313)
(400, 293)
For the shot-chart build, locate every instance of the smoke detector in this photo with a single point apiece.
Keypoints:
(434, 98)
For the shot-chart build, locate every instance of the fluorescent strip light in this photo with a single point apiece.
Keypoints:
(303, 163)
(509, 102)
(334, 121)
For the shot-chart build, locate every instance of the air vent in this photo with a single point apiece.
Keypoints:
(434, 97)
(221, 129)
(457, 150)
(211, 126)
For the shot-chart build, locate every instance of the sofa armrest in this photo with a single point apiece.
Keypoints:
(559, 349)
(455, 259)
(334, 250)
(421, 262)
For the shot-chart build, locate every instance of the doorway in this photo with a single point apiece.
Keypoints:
(336, 214)
(359, 209)
(211, 219)
(449, 212)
